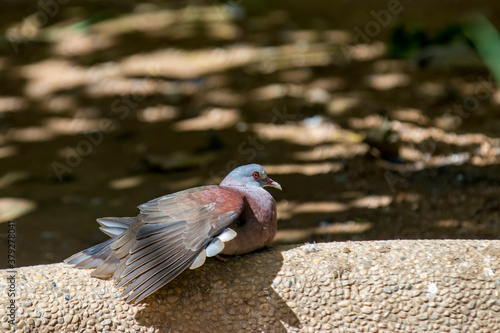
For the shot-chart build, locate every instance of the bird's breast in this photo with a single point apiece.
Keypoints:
(255, 227)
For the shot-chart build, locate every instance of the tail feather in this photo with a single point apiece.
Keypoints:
(91, 257)
(115, 226)
(100, 256)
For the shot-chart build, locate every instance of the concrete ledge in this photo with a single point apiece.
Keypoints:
(382, 286)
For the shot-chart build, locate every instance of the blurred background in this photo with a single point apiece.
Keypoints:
(380, 119)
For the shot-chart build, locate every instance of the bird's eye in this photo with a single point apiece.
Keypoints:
(255, 175)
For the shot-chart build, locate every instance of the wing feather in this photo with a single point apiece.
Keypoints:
(169, 234)
(141, 288)
(149, 262)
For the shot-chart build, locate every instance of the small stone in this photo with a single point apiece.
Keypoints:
(387, 290)
(435, 316)
(366, 310)
(423, 316)
(344, 303)
(471, 305)
(68, 318)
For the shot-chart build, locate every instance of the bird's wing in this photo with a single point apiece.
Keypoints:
(170, 234)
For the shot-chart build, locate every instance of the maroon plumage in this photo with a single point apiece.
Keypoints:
(179, 230)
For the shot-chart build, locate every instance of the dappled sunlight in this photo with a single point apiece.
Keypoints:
(341, 104)
(273, 91)
(67, 126)
(13, 177)
(289, 132)
(410, 115)
(187, 64)
(8, 151)
(304, 169)
(387, 81)
(149, 18)
(367, 52)
(53, 127)
(30, 134)
(372, 201)
(287, 209)
(154, 114)
(331, 151)
(127, 182)
(294, 236)
(223, 31)
(330, 83)
(13, 208)
(49, 76)
(365, 123)
(62, 104)
(348, 227)
(495, 98)
(71, 42)
(413, 133)
(215, 118)
(123, 86)
(12, 103)
(448, 224)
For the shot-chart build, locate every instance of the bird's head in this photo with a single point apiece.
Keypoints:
(250, 175)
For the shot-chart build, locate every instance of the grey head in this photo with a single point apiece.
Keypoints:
(250, 175)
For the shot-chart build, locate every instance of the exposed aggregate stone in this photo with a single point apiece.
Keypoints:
(383, 286)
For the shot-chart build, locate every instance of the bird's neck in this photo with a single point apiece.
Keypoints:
(256, 196)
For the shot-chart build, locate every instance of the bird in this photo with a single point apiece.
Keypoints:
(180, 230)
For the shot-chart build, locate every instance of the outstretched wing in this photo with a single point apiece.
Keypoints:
(169, 235)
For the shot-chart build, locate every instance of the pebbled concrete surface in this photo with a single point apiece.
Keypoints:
(373, 286)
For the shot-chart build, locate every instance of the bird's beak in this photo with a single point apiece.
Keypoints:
(272, 183)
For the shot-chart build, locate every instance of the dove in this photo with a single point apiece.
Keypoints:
(180, 230)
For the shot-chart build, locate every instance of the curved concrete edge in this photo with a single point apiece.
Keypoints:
(373, 286)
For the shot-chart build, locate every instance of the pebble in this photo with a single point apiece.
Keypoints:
(423, 316)
(366, 310)
(387, 290)
(344, 303)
